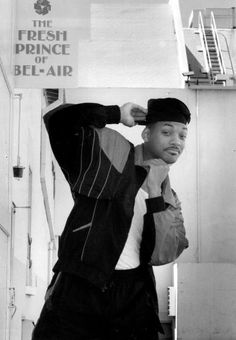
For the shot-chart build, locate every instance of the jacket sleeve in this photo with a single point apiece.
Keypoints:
(74, 140)
(65, 122)
(164, 233)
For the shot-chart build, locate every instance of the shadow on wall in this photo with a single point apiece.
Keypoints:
(194, 64)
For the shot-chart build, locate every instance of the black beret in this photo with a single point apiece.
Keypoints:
(167, 109)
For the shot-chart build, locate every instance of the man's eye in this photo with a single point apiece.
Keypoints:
(183, 137)
(166, 133)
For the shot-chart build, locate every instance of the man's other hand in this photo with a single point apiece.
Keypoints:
(158, 171)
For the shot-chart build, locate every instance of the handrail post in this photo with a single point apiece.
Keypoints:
(205, 47)
(217, 44)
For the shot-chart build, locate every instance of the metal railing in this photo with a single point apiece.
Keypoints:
(231, 68)
(217, 45)
(206, 52)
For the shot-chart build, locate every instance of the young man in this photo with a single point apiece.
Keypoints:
(125, 219)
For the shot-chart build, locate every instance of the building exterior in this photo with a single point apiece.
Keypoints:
(26, 243)
(134, 51)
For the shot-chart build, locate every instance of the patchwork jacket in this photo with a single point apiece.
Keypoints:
(104, 171)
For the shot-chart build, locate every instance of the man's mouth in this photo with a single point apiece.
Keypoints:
(173, 151)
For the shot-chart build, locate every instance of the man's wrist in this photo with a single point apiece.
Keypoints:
(154, 193)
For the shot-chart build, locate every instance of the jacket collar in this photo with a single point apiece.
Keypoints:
(167, 192)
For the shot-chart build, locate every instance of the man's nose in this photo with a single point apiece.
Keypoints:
(175, 140)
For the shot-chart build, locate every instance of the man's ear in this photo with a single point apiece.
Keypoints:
(146, 134)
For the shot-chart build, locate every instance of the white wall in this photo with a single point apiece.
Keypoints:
(131, 45)
(29, 304)
(206, 301)
(5, 162)
(6, 36)
(217, 168)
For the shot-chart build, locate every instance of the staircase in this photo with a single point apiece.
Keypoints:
(214, 61)
(212, 51)
(214, 72)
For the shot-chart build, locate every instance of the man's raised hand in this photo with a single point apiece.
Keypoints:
(131, 114)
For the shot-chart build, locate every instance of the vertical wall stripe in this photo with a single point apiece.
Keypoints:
(198, 181)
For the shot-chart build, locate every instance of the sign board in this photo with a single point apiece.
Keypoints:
(46, 42)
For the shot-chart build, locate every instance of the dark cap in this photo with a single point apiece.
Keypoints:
(167, 109)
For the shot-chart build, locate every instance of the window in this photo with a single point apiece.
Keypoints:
(51, 95)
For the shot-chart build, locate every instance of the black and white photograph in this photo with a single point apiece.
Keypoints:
(118, 170)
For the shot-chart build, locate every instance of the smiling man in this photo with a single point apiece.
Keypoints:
(166, 129)
(125, 219)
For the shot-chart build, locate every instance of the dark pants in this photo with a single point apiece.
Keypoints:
(77, 310)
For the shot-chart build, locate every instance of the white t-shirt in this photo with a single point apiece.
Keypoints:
(129, 257)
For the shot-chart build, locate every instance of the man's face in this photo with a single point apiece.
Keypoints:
(165, 140)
